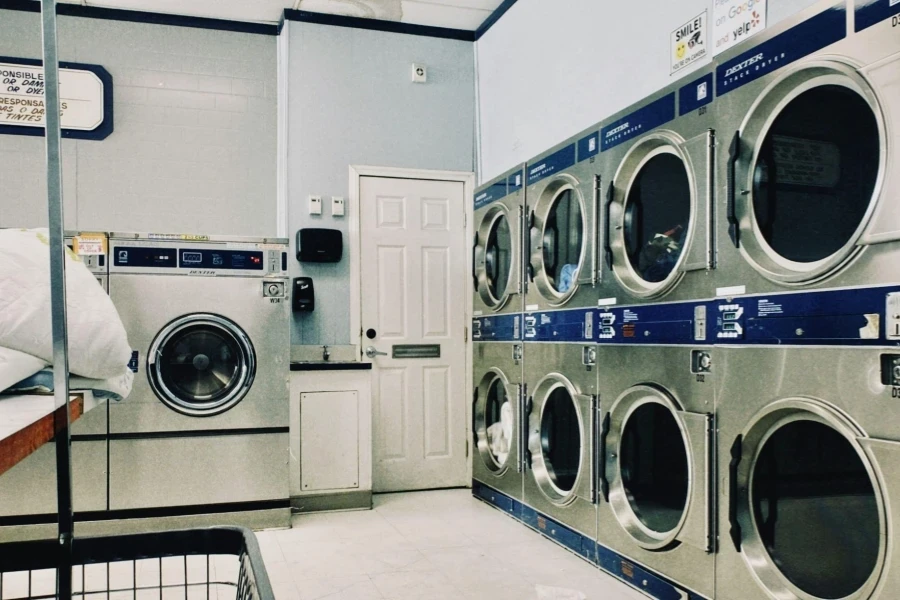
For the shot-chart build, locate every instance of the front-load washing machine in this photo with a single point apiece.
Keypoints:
(808, 167)
(657, 233)
(207, 420)
(560, 485)
(809, 451)
(497, 465)
(561, 225)
(657, 471)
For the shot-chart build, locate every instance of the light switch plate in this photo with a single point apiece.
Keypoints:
(315, 205)
(337, 206)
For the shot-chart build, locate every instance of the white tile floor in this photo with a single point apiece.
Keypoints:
(441, 545)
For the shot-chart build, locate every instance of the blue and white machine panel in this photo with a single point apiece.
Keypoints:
(639, 122)
(589, 146)
(802, 40)
(845, 317)
(695, 95)
(869, 13)
(650, 583)
(558, 161)
(490, 194)
(497, 328)
(514, 183)
(675, 323)
(575, 325)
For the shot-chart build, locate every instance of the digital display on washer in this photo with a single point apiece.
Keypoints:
(242, 260)
(144, 257)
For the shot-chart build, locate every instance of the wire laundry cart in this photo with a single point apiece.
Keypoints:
(215, 563)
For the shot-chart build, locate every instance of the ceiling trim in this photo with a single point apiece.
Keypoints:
(137, 16)
(306, 16)
(493, 18)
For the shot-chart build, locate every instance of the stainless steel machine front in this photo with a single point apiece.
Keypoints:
(808, 168)
(657, 472)
(208, 321)
(561, 225)
(809, 448)
(657, 166)
(497, 253)
(561, 417)
(497, 414)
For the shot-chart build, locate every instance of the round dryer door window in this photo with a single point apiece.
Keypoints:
(201, 364)
(815, 509)
(494, 422)
(498, 258)
(563, 241)
(815, 173)
(555, 443)
(657, 216)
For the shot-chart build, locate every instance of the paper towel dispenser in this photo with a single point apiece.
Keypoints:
(319, 245)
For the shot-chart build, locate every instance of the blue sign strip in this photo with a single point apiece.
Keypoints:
(577, 325)
(554, 530)
(491, 193)
(497, 499)
(647, 324)
(870, 13)
(589, 146)
(650, 583)
(696, 94)
(499, 328)
(514, 182)
(639, 122)
(802, 40)
(556, 162)
(848, 317)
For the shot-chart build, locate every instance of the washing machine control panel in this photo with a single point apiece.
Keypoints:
(244, 260)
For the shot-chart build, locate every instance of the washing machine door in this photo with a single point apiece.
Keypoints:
(201, 364)
(807, 503)
(559, 239)
(658, 465)
(561, 433)
(658, 213)
(495, 413)
(803, 183)
(497, 249)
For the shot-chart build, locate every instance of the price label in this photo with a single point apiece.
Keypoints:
(89, 245)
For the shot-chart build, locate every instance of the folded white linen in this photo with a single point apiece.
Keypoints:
(16, 366)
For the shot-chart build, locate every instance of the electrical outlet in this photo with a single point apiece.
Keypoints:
(337, 206)
(315, 205)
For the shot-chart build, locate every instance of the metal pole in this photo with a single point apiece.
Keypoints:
(58, 296)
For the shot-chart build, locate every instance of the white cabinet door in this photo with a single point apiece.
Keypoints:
(329, 441)
(414, 288)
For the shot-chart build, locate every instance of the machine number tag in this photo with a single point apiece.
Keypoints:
(895, 392)
(274, 300)
(701, 378)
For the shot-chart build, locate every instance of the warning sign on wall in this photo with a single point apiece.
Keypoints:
(736, 20)
(690, 43)
(85, 99)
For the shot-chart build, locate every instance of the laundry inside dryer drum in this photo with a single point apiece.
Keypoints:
(498, 257)
(201, 366)
(657, 217)
(814, 508)
(498, 422)
(654, 467)
(563, 241)
(561, 439)
(815, 173)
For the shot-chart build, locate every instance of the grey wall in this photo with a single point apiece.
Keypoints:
(548, 70)
(351, 101)
(194, 145)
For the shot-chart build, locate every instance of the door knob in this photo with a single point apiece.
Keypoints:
(371, 352)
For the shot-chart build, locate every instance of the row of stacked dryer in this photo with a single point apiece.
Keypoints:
(687, 319)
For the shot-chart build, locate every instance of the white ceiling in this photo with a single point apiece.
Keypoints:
(456, 14)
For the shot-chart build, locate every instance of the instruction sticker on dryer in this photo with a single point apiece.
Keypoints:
(639, 122)
(869, 13)
(689, 44)
(556, 162)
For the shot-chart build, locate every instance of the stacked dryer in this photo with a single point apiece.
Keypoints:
(809, 441)
(560, 352)
(497, 333)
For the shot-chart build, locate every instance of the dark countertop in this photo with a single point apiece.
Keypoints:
(330, 366)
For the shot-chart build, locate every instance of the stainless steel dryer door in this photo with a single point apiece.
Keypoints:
(561, 440)
(659, 469)
(496, 413)
(803, 183)
(497, 269)
(808, 501)
(659, 212)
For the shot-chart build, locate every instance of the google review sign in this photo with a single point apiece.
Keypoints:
(85, 99)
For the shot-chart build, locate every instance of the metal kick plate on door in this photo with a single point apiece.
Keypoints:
(416, 351)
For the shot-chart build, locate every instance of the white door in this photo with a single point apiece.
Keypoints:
(413, 291)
